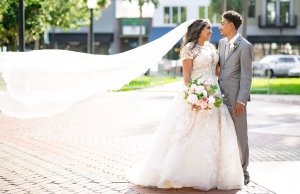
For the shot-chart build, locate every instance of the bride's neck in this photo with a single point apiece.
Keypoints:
(201, 42)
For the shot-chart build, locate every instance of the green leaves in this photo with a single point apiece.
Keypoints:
(142, 2)
(218, 102)
(231, 5)
(40, 15)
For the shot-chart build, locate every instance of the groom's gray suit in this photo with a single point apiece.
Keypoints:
(235, 81)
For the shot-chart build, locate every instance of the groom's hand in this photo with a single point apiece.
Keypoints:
(238, 108)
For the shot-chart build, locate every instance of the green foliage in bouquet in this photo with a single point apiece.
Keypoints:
(218, 102)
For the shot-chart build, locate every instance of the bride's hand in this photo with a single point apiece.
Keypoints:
(194, 106)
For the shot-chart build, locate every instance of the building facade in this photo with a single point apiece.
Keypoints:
(128, 29)
(274, 27)
(171, 13)
(76, 40)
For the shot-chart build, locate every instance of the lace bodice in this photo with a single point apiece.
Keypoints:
(205, 59)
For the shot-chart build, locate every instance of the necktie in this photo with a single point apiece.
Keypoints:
(227, 46)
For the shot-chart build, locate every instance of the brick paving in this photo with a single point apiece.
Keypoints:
(89, 148)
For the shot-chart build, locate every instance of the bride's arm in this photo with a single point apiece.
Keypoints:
(187, 66)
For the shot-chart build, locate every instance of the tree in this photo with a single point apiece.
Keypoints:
(239, 6)
(141, 3)
(40, 15)
(236, 5)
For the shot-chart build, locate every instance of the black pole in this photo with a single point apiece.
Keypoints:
(91, 35)
(280, 40)
(21, 26)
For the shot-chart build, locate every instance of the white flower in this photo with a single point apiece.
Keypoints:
(198, 102)
(211, 100)
(185, 89)
(231, 48)
(201, 80)
(210, 105)
(193, 86)
(191, 91)
(192, 98)
(204, 93)
(199, 89)
(208, 81)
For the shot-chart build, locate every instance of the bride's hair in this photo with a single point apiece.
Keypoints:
(193, 32)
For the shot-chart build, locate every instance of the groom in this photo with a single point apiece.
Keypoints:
(235, 79)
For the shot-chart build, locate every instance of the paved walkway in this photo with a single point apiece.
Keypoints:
(89, 148)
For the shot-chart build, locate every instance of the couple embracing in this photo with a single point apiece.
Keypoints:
(212, 150)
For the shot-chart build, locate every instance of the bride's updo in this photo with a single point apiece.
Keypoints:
(193, 32)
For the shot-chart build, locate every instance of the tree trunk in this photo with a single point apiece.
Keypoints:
(245, 18)
(224, 6)
(37, 44)
(12, 43)
(141, 24)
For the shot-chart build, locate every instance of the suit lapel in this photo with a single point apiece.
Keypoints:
(223, 53)
(222, 50)
(239, 39)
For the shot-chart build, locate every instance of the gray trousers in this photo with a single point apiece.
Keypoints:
(241, 128)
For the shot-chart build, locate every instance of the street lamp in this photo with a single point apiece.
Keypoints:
(92, 4)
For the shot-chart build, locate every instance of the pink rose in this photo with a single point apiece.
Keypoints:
(205, 98)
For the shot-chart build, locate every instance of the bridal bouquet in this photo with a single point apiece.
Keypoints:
(203, 93)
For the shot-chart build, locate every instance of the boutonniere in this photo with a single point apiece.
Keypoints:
(233, 46)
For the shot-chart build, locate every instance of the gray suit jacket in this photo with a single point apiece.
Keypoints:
(236, 71)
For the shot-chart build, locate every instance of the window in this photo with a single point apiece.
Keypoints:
(202, 12)
(183, 14)
(167, 15)
(271, 11)
(284, 11)
(211, 15)
(286, 60)
(251, 12)
(289, 60)
(174, 15)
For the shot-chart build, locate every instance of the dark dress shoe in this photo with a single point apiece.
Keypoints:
(246, 179)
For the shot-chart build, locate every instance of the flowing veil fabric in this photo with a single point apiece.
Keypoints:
(45, 82)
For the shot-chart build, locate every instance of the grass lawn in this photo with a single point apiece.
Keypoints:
(146, 81)
(277, 86)
(140, 82)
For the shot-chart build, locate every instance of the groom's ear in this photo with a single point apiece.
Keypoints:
(232, 26)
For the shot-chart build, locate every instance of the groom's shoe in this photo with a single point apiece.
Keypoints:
(246, 179)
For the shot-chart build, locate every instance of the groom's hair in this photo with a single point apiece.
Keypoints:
(233, 17)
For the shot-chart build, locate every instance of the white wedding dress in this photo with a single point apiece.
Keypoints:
(205, 156)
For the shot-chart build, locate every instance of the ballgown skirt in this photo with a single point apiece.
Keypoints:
(191, 148)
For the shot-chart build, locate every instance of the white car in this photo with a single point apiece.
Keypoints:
(275, 65)
(295, 72)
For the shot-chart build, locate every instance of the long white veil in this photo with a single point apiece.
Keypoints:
(44, 82)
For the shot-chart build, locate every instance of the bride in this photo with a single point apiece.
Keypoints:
(45, 82)
(208, 155)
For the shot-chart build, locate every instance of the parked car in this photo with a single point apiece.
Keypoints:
(275, 65)
(295, 72)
